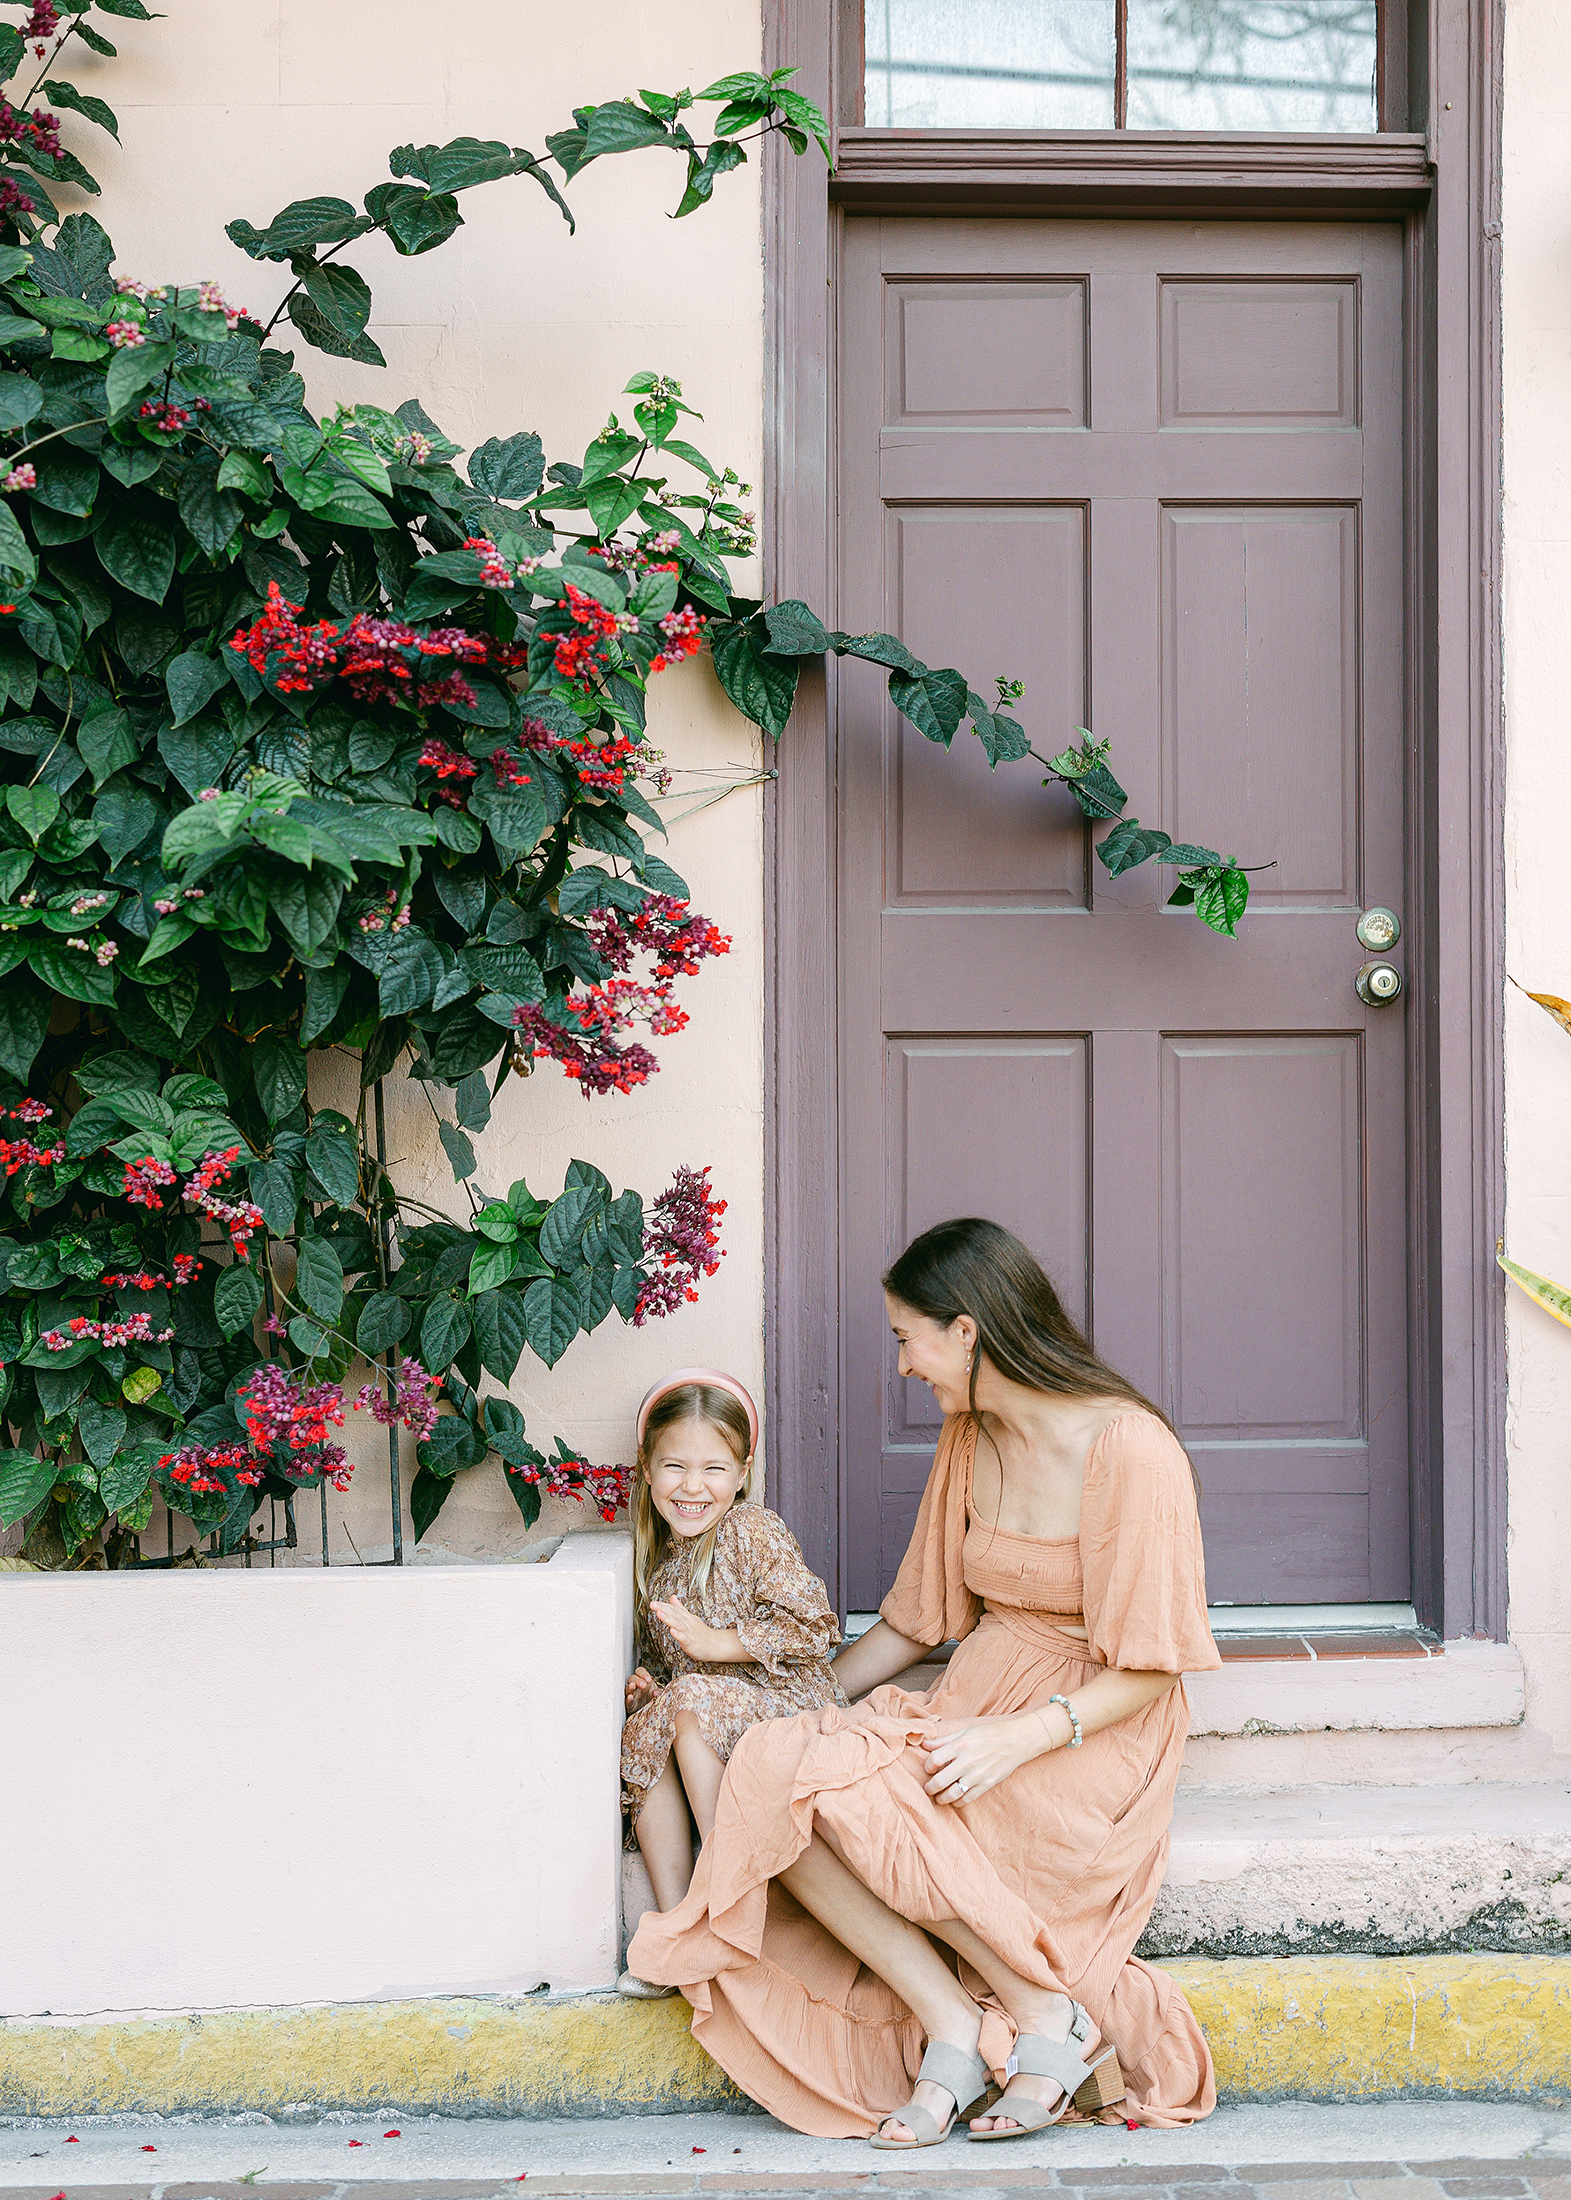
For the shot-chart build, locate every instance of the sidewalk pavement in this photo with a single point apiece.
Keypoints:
(1404, 2150)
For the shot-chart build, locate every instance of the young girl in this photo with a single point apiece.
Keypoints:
(732, 1628)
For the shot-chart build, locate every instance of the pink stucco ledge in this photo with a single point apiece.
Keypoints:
(228, 1789)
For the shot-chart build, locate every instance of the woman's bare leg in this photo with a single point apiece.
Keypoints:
(702, 1771)
(665, 1838)
(901, 1954)
(1034, 2009)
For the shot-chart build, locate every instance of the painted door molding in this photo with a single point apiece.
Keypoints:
(1455, 964)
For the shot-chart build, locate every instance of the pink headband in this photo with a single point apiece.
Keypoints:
(716, 1380)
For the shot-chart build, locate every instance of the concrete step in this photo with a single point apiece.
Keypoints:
(1367, 1870)
(1349, 1870)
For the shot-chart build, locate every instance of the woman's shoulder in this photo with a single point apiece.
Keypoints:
(1136, 1447)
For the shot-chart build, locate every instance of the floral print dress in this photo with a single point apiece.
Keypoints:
(759, 1584)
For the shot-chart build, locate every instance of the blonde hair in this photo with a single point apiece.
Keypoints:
(651, 1533)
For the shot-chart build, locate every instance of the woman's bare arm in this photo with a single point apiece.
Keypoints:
(966, 1763)
(875, 1657)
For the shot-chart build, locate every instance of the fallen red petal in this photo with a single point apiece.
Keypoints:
(1130, 2124)
(357, 2142)
(700, 2150)
(149, 2150)
(392, 2135)
(73, 2141)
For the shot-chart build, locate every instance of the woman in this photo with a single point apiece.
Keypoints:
(1058, 1542)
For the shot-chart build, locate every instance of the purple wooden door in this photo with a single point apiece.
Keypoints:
(1155, 471)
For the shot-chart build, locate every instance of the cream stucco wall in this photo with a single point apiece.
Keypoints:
(513, 324)
(1536, 245)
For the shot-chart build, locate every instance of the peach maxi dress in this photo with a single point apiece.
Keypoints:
(1056, 1868)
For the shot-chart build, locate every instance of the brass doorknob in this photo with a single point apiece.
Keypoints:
(1378, 984)
(1379, 930)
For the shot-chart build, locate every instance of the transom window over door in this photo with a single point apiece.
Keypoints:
(1203, 65)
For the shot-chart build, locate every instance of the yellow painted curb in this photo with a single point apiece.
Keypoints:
(1335, 2028)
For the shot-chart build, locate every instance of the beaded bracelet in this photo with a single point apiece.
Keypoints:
(1077, 1737)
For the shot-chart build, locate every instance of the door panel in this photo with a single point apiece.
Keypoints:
(1155, 470)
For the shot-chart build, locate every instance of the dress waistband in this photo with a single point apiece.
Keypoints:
(1040, 1629)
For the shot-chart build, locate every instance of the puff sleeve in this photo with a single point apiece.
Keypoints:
(930, 1602)
(787, 1621)
(1140, 1552)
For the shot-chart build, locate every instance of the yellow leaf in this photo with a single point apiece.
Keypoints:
(1559, 1009)
(1554, 1298)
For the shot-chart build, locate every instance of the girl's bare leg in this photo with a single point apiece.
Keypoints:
(898, 1951)
(1034, 2009)
(702, 1771)
(665, 1837)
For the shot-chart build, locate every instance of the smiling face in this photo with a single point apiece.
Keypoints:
(934, 1354)
(694, 1475)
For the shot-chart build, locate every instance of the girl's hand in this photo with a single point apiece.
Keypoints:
(706, 1645)
(965, 1764)
(640, 1690)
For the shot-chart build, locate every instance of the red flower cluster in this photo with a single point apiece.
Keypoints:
(663, 927)
(22, 1153)
(413, 1402)
(606, 1488)
(447, 762)
(495, 572)
(601, 1066)
(196, 1467)
(681, 1233)
(578, 655)
(142, 1180)
(379, 660)
(296, 1420)
(241, 1217)
(135, 1329)
(185, 1266)
(38, 131)
(593, 1053)
(684, 634)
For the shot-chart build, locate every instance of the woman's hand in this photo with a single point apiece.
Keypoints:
(965, 1764)
(706, 1645)
(640, 1690)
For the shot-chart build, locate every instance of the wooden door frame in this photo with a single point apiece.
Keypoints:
(1443, 182)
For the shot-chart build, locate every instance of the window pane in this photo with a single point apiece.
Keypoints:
(1252, 65)
(989, 64)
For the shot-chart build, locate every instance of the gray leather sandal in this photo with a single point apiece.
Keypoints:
(1089, 2085)
(964, 2077)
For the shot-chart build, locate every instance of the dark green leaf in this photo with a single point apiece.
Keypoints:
(61, 94)
(319, 1279)
(303, 223)
(24, 1018)
(325, 335)
(702, 174)
(340, 294)
(1098, 793)
(762, 688)
(25, 1481)
(411, 973)
(237, 1298)
(460, 1152)
(101, 1429)
(508, 471)
(330, 1157)
(138, 551)
(1220, 894)
(935, 703)
(192, 680)
(428, 1493)
(278, 1069)
(384, 1322)
(211, 513)
(443, 1332)
(551, 1314)
(501, 1331)
(1129, 844)
(795, 631)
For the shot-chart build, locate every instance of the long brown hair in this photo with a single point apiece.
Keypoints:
(971, 1266)
(651, 1532)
